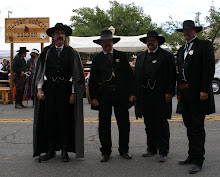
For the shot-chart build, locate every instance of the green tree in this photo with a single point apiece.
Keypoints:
(127, 19)
(173, 38)
(88, 21)
(214, 32)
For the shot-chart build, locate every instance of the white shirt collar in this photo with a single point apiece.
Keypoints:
(191, 40)
(111, 52)
(60, 47)
(152, 51)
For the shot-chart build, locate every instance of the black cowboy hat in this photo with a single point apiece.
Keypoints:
(106, 34)
(22, 49)
(187, 24)
(153, 34)
(59, 26)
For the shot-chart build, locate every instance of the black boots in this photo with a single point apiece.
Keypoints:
(64, 154)
(49, 155)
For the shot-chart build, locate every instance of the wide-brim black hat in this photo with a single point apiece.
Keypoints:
(187, 24)
(153, 34)
(22, 49)
(105, 35)
(59, 26)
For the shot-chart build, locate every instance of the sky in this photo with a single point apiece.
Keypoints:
(61, 11)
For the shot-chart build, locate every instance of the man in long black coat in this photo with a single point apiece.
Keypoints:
(111, 85)
(155, 82)
(20, 68)
(196, 67)
(59, 83)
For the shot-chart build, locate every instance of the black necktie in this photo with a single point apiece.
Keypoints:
(151, 54)
(186, 48)
(58, 51)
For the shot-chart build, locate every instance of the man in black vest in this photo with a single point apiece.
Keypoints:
(111, 85)
(155, 83)
(4, 70)
(196, 68)
(59, 81)
(20, 70)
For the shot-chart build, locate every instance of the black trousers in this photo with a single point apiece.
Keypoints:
(20, 85)
(111, 98)
(157, 126)
(194, 121)
(58, 115)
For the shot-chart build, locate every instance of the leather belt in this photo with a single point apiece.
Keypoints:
(183, 86)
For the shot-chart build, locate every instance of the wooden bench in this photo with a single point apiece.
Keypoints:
(5, 91)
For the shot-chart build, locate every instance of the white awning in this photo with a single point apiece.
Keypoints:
(126, 44)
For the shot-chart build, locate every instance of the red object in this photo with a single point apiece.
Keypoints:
(25, 28)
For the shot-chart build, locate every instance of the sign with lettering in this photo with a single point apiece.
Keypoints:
(26, 30)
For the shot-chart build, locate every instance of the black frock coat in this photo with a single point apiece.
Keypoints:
(199, 67)
(165, 74)
(101, 70)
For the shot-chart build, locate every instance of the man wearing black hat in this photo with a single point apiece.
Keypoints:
(111, 85)
(155, 83)
(19, 67)
(196, 67)
(59, 84)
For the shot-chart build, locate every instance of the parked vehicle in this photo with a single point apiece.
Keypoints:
(216, 79)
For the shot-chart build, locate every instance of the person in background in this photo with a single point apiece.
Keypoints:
(4, 70)
(31, 66)
(134, 57)
(20, 70)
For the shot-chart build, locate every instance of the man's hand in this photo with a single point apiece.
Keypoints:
(203, 96)
(72, 98)
(22, 73)
(178, 97)
(168, 97)
(95, 102)
(5, 72)
(40, 94)
(132, 98)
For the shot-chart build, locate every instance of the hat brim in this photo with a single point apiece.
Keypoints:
(22, 51)
(161, 39)
(115, 40)
(197, 28)
(67, 29)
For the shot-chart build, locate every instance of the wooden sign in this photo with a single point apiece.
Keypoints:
(26, 30)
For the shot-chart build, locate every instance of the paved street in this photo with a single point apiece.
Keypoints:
(16, 149)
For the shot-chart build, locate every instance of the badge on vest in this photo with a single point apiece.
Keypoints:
(117, 60)
(154, 61)
(191, 52)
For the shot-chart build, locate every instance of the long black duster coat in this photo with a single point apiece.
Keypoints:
(40, 143)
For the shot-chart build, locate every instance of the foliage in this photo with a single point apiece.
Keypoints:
(214, 20)
(127, 19)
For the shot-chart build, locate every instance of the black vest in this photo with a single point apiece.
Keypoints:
(150, 72)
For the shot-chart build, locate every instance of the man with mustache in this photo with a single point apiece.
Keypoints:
(196, 68)
(155, 83)
(59, 84)
(111, 85)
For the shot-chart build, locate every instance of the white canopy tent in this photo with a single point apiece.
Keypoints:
(126, 44)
